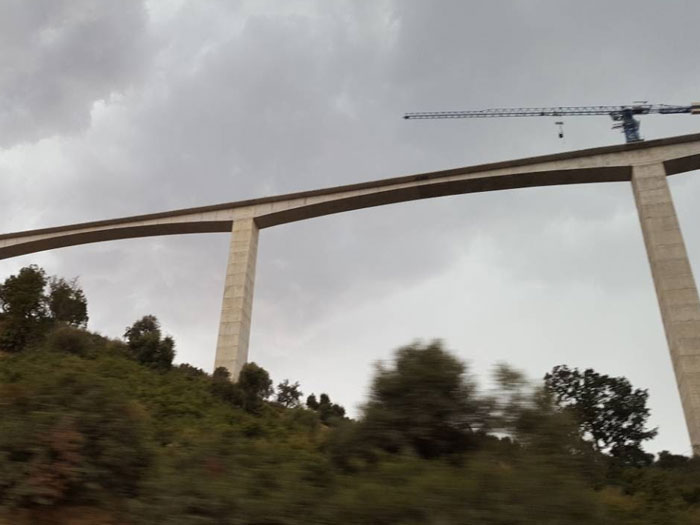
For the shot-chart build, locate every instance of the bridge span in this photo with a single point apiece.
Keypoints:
(645, 164)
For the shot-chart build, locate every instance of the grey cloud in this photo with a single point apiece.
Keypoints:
(58, 57)
(237, 100)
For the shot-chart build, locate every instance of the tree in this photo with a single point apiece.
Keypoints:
(668, 460)
(255, 385)
(27, 309)
(312, 402)
(288, 394)
(148, 346)
(67, 303)
(22, 295)
(22, 303)
(610, 413)
(223, 388)
(328, 412)
(425, 402)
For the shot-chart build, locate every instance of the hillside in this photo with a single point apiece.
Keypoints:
(101, 431)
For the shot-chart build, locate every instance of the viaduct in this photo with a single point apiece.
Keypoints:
(645, 164)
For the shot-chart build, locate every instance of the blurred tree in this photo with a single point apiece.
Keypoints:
(425, 401)
(668, 460)
(148, 346)
(221, 373)
(191, 371)
(67, 303)
(312, 402)
(288, 394)
(224, 389)
(69, 339)
(68, 435)
(610, 413)
(328, 412)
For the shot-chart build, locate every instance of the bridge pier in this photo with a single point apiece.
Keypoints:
(675, 286)
(237, 305)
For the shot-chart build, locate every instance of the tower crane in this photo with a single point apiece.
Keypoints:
(623, 116)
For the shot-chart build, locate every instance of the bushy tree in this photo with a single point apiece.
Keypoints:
(328, 412)
(255, 385)
(224, 389)
(147, 344)
(30, 303)
(23, 307)
(312, 402)
(425, 401)
(67, 303)
(22, 295)
(288, 394)
(610, 412)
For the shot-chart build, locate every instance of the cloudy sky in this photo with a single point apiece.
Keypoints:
(111, 109)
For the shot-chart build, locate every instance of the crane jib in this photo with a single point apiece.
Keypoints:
(624, 115)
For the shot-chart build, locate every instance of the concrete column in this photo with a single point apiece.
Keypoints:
(675, 286)
(237, 307)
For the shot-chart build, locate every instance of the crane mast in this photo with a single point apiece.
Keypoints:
(623, 116)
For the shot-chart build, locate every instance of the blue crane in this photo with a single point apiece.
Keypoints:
(624, 116)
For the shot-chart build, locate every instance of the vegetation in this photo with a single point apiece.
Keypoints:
(102, 431)
(31, 304)
(609, 412)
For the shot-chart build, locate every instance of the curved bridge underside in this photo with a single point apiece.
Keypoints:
(609, 164)
(645, 164)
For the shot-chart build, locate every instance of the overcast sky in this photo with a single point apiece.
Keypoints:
(111, 109)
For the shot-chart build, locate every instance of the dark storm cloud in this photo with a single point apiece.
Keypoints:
(58, 57)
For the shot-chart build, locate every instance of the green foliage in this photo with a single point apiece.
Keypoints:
(425, 402)
(70, 340)
(488, 489)
(21, 295)
(147, 344)
(224, 389)
(255, 385)
(312, 402)
(67, 434)
(23, 308)
(109, 432)
(328, 412)
(28, 309)
(67, 303)
(609, 411)
(288, 394)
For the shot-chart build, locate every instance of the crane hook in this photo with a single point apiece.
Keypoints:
(561, 128)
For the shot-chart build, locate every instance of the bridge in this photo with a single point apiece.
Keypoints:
(645, 164)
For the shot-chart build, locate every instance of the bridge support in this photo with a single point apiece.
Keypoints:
(675, 286)
(237, 307)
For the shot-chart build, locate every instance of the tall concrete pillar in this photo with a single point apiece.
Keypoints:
(237, 307)
(675, 286)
